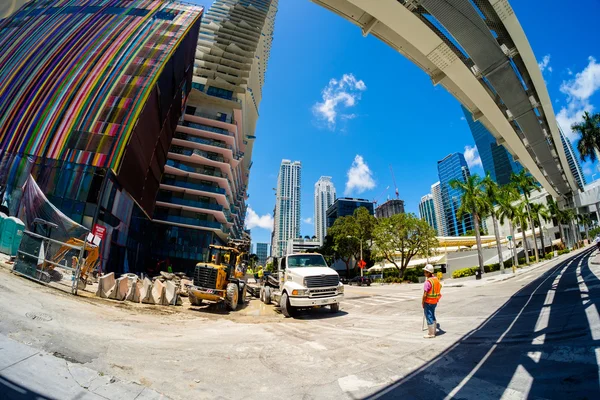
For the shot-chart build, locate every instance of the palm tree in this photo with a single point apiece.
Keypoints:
(526, 184)
(559, 216)
(589, 129)
(505, 199)
(521, 217)
(472, 202)
(586, 221)
(539, 211)
(490, 192)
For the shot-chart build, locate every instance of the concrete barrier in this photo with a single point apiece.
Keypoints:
(106, 285)
(121, 289)
(171, 296)
(157, 294)
(146, 292)
(134, 291)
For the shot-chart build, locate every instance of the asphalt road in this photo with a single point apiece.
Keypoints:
(535, 335)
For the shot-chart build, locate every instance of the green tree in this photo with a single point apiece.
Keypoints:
(343, 234)
(586, 221)
(365, 223)
(472, 202)
(522, 218)
(506, 210)
(404, 235)
(526, 184)
(559, 216)
(539, 211)
(589, 130)
(253, 259)
(491, 192)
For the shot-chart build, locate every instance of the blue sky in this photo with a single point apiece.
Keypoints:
(387, 111)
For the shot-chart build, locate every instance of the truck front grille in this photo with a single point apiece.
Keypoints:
(205, 277)
(322, 281)
(316, 293)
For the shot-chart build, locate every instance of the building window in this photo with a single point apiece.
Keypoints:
(218, 92)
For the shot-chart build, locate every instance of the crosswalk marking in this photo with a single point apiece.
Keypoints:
(380, 300)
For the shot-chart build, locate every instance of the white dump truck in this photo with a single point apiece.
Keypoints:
(302, 281)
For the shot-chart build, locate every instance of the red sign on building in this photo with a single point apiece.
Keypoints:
(99, 231)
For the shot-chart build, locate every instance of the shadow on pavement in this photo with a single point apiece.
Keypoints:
(538, 344)
(10, 390)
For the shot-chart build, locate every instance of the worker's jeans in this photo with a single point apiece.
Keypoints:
(430, 313)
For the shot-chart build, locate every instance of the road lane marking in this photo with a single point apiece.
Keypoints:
(466, 379)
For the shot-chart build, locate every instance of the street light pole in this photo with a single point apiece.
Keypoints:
(361, 257)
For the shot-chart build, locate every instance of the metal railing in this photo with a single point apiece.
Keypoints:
(190, 203)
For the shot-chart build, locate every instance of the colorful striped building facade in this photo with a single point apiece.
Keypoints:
(91, 92)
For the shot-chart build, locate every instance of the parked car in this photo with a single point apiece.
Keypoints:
(360, 280)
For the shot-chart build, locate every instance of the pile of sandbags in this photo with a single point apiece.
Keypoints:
(129, 287)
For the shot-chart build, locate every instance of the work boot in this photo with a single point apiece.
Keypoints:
(430, 332)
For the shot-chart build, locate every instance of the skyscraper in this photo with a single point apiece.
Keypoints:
(262, 251)
(427, 211)
(453, 167)
(573, 160)
(438, 207)
(202, 197)
(389, 208)
(287, 206)
(91, 95)
(324, 197)
(495, 159)
(345, 206)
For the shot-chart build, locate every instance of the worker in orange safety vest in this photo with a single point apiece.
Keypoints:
(431, 296)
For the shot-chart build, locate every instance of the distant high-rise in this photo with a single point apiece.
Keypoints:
(287, 206)
(389, 208)
(453, 167)
(496, 160)
(438, 207)
(345, 206)
(262, 251)
(324, 197)
(573, 160)
(427, 211)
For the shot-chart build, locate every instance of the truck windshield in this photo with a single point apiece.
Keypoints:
(308, 260)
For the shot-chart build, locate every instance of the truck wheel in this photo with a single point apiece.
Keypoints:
(286, 309)
(335, 308)
(267, 295)
(232, 297)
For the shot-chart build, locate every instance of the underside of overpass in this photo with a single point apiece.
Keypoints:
(478, 51)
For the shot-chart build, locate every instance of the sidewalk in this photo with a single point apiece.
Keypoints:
(26, 373)
(497, 276)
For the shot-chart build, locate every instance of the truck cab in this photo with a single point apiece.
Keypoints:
(303, 280)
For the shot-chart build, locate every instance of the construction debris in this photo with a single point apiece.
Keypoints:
(121, 289)
(164, 289)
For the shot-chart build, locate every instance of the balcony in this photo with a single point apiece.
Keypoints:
(208, 127)
(194, 186)
(199, 140)
(189, 203)
(198, 170)
(213, 157)
(191, 221)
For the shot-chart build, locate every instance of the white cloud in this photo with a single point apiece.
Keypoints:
(569, 72)
(253, 220)
(545, 64)
(308, 220)
(360, 177)
(338, 94)
(578, 91)
(463, 118)
(472, 157)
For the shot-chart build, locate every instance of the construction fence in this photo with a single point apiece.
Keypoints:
(51, 262)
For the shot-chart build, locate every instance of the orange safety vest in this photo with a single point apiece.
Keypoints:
(434, 294)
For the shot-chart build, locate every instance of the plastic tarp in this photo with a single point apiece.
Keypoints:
(35, 204)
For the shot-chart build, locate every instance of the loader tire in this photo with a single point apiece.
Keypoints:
(232, 297)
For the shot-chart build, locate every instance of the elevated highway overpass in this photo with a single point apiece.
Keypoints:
(478, 51)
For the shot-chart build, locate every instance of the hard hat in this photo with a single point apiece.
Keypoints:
(429, 268)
